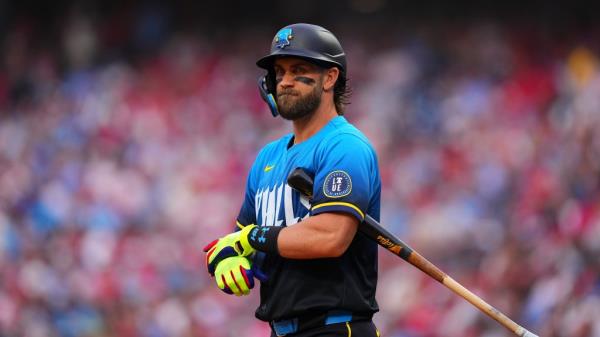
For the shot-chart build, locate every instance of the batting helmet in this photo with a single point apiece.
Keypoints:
(310, 42)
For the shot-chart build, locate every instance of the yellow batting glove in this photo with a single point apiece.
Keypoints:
(234, 275)
(234, 244)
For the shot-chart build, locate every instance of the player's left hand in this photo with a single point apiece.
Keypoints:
(234, 275)
(234, 244)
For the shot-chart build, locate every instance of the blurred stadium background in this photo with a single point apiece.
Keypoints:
(127, 128)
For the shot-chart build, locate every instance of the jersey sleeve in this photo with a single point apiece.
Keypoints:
(343, 176)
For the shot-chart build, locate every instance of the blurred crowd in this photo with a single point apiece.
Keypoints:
(115, 171)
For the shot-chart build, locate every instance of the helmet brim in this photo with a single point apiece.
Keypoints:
(267, 61)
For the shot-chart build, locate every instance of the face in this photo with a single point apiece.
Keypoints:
(299, 87)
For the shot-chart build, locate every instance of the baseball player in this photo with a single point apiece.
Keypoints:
(318, 274)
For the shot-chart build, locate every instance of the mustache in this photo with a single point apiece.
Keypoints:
(288, 92)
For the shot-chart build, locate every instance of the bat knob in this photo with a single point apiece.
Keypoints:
(528, 334)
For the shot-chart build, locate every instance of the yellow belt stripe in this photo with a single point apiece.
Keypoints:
(239, 224)
(349, 330)
(339, 203)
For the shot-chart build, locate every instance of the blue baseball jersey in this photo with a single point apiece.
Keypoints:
(346, 179)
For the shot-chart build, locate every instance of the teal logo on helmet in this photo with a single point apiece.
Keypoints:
(283, 37)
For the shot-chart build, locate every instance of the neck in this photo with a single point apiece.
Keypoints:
(306, 127)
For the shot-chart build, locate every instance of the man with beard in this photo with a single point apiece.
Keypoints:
(318, 274)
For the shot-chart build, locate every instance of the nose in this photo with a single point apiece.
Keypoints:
(287, 80)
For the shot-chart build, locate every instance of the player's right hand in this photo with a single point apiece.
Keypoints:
(234, 275)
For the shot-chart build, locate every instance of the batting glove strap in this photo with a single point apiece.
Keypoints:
(262, 238)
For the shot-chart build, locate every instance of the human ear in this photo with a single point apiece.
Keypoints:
(330, 76)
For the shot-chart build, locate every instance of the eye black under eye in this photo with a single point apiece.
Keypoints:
(305, 80)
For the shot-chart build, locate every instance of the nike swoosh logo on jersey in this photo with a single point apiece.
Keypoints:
(269, 168)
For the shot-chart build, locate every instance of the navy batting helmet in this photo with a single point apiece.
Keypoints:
(311, 42)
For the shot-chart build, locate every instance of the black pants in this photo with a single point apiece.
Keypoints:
(354, 329)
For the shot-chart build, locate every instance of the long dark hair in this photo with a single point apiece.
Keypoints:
(341, 93)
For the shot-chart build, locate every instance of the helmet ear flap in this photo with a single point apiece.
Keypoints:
(271, 82)
(266, 87)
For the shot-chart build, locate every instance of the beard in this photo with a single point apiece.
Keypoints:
(293, 106)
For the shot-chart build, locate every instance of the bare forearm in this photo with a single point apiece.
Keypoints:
(321, 236)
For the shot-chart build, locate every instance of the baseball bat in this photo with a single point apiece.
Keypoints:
(302, 181)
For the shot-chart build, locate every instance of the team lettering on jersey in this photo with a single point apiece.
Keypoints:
(269, 203)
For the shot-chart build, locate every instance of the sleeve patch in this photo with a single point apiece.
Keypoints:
(337, 184)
